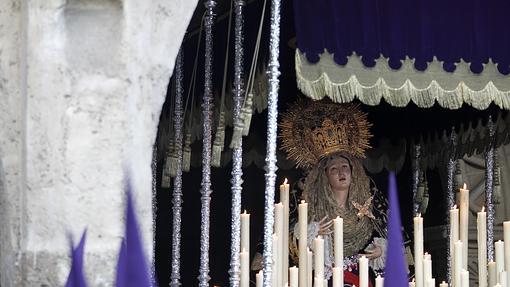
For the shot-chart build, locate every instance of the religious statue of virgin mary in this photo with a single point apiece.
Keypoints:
(328, 141)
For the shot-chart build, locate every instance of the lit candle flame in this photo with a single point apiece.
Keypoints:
(483, 208)
(465, 187)
(285, 182)
(454, 206)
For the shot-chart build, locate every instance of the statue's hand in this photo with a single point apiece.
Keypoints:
(325, 226)
(373, 253)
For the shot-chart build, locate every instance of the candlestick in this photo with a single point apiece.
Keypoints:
(458, 263)
(318, 252)
(412, 283)
(294, 275)
(274, 273)
(454, 237)
(303, 253)
(464, 275)
(278, 208)
(427, 269)
(284, 198)
(337, 273)
(418, 250)
(482, 248)
(464, 222)
(245, 268)
(379, 281)
(506, 237)
(258, 278)
(500, 257)
(309, 270)
(363, 272)
(502, 278)
(338, 239)
(493, 275)
(245, 232)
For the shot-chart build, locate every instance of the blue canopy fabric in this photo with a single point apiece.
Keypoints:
(451, 30)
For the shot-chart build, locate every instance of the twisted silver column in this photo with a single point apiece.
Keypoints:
(272, 125)
(177, 192)
(450, 198)
(237, 156)
(416, 177)
(489, 189)
(154, 166)
(203, 276)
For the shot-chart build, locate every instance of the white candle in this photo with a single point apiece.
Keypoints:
(418, 250)
(500, 257)
(482, 248)
(379, 281)
(274, 274)
(431, 282)
(458, 262)
(338, 227)
(464, 222)
(454, 235)
(464, 275)
(245, 268)
(493, 275)
(427, 268)
(318, 253)
(443, 284)
(303, 253)
(259, 278)
(506, 237)
(309, 264)
(284, 198)
(502, 279)
(245, 232)
(363, 272)
(278, 208)
(294, 275)
(337, 273)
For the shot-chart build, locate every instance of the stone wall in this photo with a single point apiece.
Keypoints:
(83, 82)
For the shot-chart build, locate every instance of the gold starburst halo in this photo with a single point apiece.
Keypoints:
(312, 130)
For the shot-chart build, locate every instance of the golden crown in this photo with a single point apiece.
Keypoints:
(310, 131)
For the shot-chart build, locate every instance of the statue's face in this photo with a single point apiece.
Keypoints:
(339, 174)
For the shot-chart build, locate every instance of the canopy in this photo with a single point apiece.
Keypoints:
(426, 51)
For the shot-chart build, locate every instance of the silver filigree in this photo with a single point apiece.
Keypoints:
(237, 153)
(452, 163)
(154, 166)
(203, 277)
(272, 125)
(177, 192)
(416, 177)
(489, 189)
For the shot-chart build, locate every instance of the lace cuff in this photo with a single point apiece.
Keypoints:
(379, 262)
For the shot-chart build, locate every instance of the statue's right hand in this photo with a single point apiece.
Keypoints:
(325, 226)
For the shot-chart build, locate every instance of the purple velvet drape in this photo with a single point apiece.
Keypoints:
(450, 30)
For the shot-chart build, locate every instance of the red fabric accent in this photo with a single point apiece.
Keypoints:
(353, 279)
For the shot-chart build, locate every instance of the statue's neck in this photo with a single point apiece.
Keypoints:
(341, 197)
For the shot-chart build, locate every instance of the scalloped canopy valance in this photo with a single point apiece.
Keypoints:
(450, 52)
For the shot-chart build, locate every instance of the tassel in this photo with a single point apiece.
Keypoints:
(172, 165)
(216, 156)
(237, 135)
(186, 155)
(247, 113)
(165, 177)
(217, 148)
